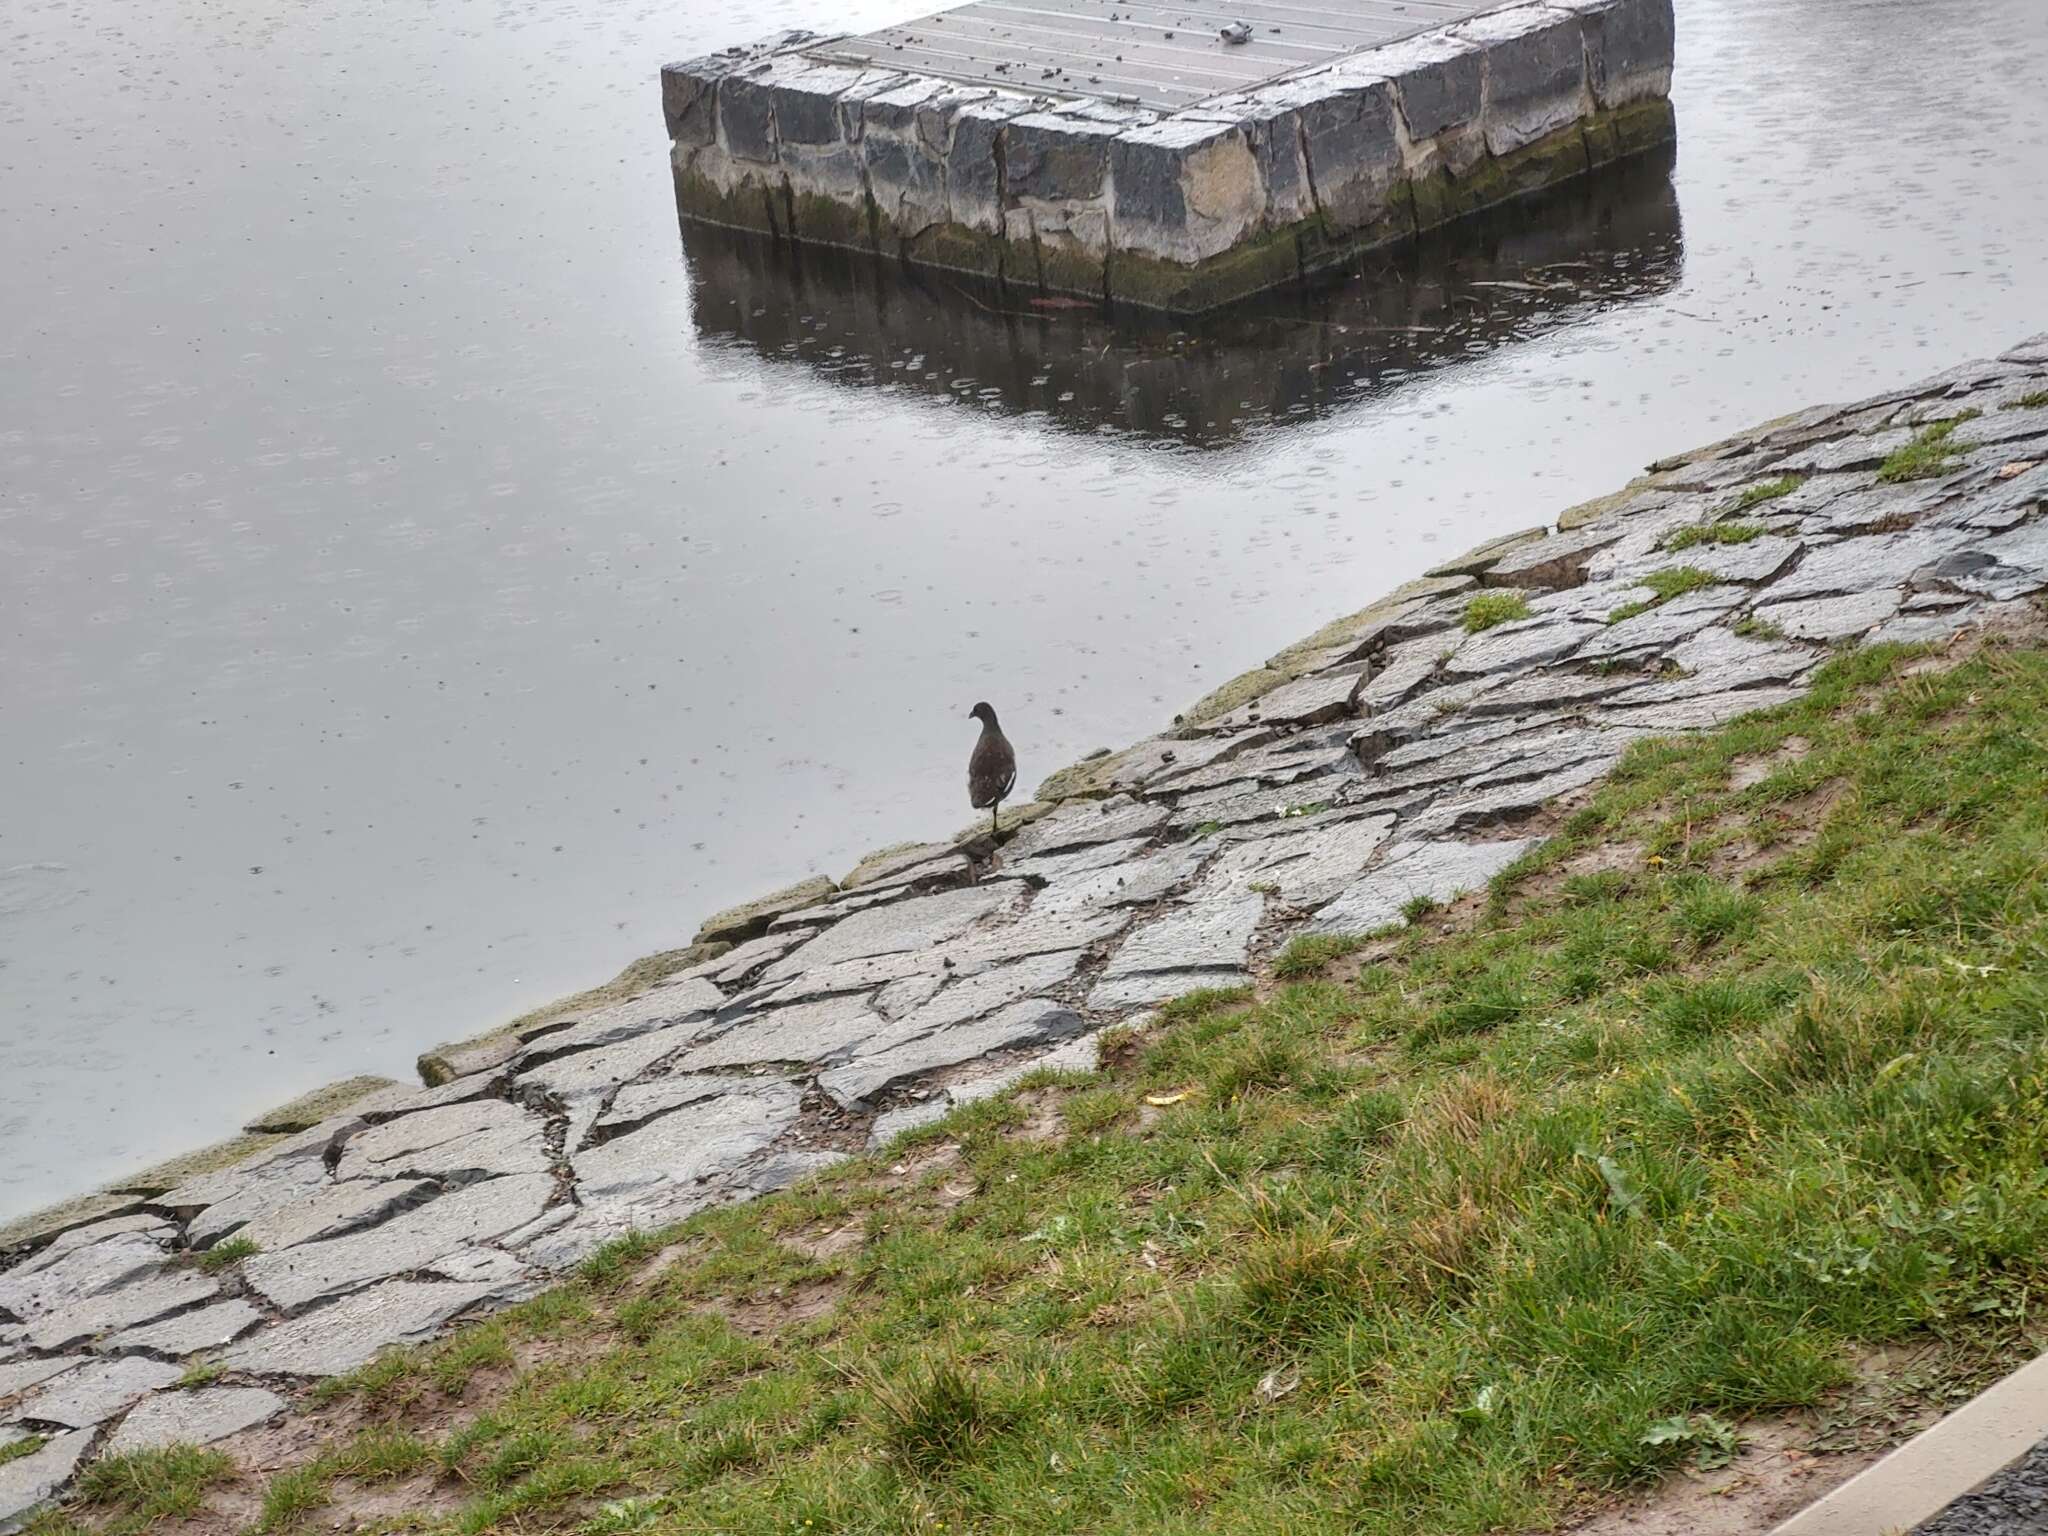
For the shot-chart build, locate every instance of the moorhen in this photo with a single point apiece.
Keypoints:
(992, 771)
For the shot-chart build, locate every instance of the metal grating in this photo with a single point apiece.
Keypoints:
(1163, 56)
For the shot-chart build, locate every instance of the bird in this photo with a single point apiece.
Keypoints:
(992, 770)
(1236, 32)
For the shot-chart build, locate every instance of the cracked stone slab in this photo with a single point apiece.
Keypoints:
(1703, 712)
(1031, 1022)
(1051, 868)
(1310, 700)
(1441, 871)
(738, 964)
(1866, 563)
(420, 1239)
(88, 1270)
(1302, 868)
(95, 1392)
(582, 1082)
(1664, 625)
(335, 1209)
(915, 923)
(336, 1339)
(1519, 646)
(835, 980)
(962, 1001)
(1509, 802)
(29, 1482)
(189, 1332)
(1558, 561)
(638, 1102)
(20, 1375)
(473, 1140)
(1079, 823)
(672, 1155)
(160, 1230)
(137, 1301)
(1215, 936)
(1038, 933)
(1833, 618)
(1140, 879)
(193, 1418)
(1760, 559)
(215, 1204)
(2008, 566)
(808, 1032)
(672, 1002)
(1844, 453)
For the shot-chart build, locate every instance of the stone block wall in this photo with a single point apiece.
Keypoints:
(1177, 211)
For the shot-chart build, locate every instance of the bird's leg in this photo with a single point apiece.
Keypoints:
(995, 827)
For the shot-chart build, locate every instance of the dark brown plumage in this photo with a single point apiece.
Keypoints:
(992, 770)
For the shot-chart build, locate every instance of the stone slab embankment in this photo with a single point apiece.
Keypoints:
(1399, 753)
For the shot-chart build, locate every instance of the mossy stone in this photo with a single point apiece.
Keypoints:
(309, 1109)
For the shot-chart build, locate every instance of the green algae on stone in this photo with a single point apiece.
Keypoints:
(174, 1171)
(1236, 693)
(309, 1109)
(1615, 503)
(479, 1053)
(38, 1227)
(751, 918)
(1473, 561)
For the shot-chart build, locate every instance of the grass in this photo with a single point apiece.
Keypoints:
(1491, 608)
(224, 1254)
(1768, 490)
(2030, 402)
(1928, 454)
(1714, 533)
(1717, 1092)
(14, 1450)
(1672, 581)
(129, 1491)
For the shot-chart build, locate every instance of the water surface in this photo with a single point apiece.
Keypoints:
(425, 584)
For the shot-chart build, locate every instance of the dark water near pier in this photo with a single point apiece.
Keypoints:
(424, 586)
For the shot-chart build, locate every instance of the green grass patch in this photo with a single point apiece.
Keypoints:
(225, 1254)
(1491, 608)
(152, 1485)
(28, 1445)
(289, 1497)
(1308, 953)
(1928, 454)
(1672, 581)
(1713, 533)
(1768, 490)
(1539, 1205)
(2029, 402)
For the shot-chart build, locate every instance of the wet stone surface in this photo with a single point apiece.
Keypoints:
(1408, 762)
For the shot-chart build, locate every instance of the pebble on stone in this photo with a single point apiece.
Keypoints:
(189, 1332)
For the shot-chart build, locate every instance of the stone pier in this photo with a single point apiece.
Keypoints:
(1116, 151)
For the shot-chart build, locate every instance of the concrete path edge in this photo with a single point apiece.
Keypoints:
(1938, 1466)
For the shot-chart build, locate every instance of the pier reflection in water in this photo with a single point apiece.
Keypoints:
(1211, 382)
